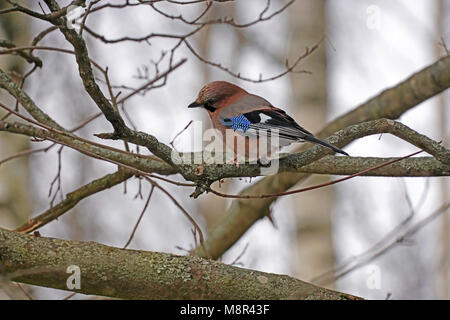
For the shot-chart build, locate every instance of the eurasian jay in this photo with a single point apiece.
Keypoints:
(247, 116)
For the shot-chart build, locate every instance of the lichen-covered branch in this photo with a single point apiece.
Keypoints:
(213, 172)
(410, 167)
(135, 274)
(204, 174)
(95, 150)
(425, 166)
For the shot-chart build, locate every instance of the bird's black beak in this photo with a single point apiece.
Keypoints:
(195, 105)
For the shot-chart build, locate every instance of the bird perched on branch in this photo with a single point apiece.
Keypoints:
(238, 114)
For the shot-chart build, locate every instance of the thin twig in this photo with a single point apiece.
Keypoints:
(196, 226)
(364, 258)
(140, 217)
(179, 133)
(57, 180)
(25, 292)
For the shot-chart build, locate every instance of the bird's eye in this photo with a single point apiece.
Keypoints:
(210, 101)
(209, 104)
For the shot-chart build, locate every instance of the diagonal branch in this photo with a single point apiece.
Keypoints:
(121, 131)
(86, 72)
(13, 89)
(395, 101)
(73, 198)
(95, 150)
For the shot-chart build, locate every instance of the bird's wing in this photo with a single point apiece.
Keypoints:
(273, 122)
(245, 103)
(266, 121)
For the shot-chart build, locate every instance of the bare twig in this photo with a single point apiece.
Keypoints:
(25, 292)
(380, 248)
(290, 68)
(236, 261)
(179, 133)
(140, 217)
(73, 198)
(57, 180)
(187, 215)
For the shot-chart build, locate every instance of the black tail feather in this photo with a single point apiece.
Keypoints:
(324, 143)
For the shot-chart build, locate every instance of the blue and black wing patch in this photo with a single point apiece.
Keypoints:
(277, 119)
(239, 122)
(266, 120)
(271, 122)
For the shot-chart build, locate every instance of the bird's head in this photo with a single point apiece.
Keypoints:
(216, 95)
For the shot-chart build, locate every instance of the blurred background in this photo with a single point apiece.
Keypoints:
(344, 237)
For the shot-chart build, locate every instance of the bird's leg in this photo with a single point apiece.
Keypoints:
(234, 160)
(264, 162)
(269, 216)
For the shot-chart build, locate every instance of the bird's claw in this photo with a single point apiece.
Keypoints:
(234, 160)
(265, 163)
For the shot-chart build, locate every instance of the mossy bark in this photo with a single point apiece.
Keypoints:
(134, 274)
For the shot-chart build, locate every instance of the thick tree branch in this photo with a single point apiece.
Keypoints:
(133, 274)
(425, 166)
(204, 173)
(411, 167)
(343, 137)
(140, 162)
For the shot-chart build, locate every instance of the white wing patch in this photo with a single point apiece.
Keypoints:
(264, 117)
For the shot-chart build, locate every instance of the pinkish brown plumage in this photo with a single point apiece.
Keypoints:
(222, 91)
(234, 111)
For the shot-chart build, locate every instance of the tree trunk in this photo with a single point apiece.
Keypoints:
(15, 205)
(314, 249)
